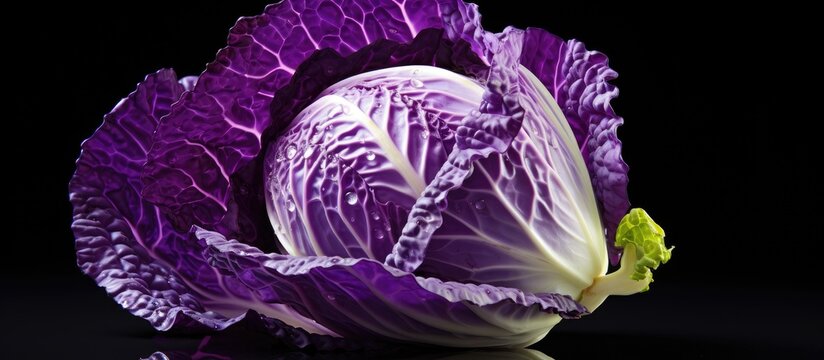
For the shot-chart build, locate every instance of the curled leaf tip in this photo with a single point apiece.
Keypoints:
(639, 233)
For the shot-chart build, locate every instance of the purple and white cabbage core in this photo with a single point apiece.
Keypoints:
(343, 177)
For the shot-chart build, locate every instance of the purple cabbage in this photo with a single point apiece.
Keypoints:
(423, 180)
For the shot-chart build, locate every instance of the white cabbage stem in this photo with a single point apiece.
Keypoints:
(618, 282)
(644, 249)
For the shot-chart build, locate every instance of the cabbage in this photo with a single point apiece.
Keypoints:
(352, 173)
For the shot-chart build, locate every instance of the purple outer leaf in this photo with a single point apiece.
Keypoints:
(462, 21)
(482, 132)
(123, 241)
(326, 67)
(297, 338)
(579, 81)
(216, 129)
(364, 299)
(128, 247)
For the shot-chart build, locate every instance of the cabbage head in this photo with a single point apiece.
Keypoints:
(354, 173)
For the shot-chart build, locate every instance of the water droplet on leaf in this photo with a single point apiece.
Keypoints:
(316, 138)
(351, 198)
(308, 152)
(291, 150)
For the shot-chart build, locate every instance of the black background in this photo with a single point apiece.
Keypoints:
(720, 137)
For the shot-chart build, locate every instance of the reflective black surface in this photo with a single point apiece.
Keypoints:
(73, 319)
